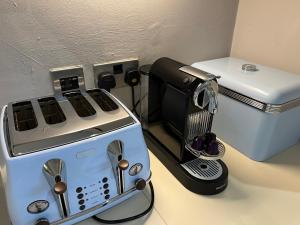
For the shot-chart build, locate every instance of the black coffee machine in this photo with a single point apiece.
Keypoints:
(177, 107)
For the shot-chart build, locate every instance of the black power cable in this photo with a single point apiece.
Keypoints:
(132, 217)
(134, 104)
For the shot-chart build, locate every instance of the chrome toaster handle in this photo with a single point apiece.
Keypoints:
(55, 173)
(60, 188)
(123, 164)
(118, 164)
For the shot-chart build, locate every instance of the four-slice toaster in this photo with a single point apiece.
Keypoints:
(69, 156)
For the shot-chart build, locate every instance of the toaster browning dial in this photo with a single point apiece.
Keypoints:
(135, 169)
(38, 206)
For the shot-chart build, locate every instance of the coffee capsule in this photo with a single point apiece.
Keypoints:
(209, 137)
(212, 148)
(198, 143)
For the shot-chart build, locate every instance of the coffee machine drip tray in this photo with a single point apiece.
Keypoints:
(206, 177)
(203, 169)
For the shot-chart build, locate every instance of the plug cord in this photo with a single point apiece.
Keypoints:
(132, 217)
(134, 104)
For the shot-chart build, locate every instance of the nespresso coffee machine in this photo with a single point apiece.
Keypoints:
(177, 107)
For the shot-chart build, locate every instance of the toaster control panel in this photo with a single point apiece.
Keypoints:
(90, 195)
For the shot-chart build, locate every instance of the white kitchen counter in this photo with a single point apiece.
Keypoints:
(258, 194)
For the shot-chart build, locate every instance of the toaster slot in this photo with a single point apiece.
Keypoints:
(24, 116)
(51, 110)
(103, 100)
(82, 107)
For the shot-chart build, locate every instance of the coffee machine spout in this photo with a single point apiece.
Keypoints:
(213, 100)
(205, 96)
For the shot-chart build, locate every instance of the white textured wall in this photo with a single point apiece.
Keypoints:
(36, 35)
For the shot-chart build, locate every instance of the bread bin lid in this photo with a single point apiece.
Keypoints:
(266, 84)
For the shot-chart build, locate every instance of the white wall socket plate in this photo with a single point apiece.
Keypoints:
(117, 68)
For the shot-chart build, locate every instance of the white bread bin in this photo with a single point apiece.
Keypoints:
(259, 108)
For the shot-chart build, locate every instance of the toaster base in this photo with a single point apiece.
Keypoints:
(191, 182)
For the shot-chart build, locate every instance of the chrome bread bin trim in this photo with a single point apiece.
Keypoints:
(264, 107)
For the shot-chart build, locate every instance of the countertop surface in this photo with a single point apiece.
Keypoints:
(258, 193)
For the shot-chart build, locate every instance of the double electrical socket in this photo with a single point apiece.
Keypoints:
(116, 68)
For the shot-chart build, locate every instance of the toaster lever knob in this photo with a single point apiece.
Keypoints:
(60, 188)
(123, 164)
(42, 221)
(140, 184)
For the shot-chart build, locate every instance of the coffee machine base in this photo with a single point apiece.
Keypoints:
(184, 172)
